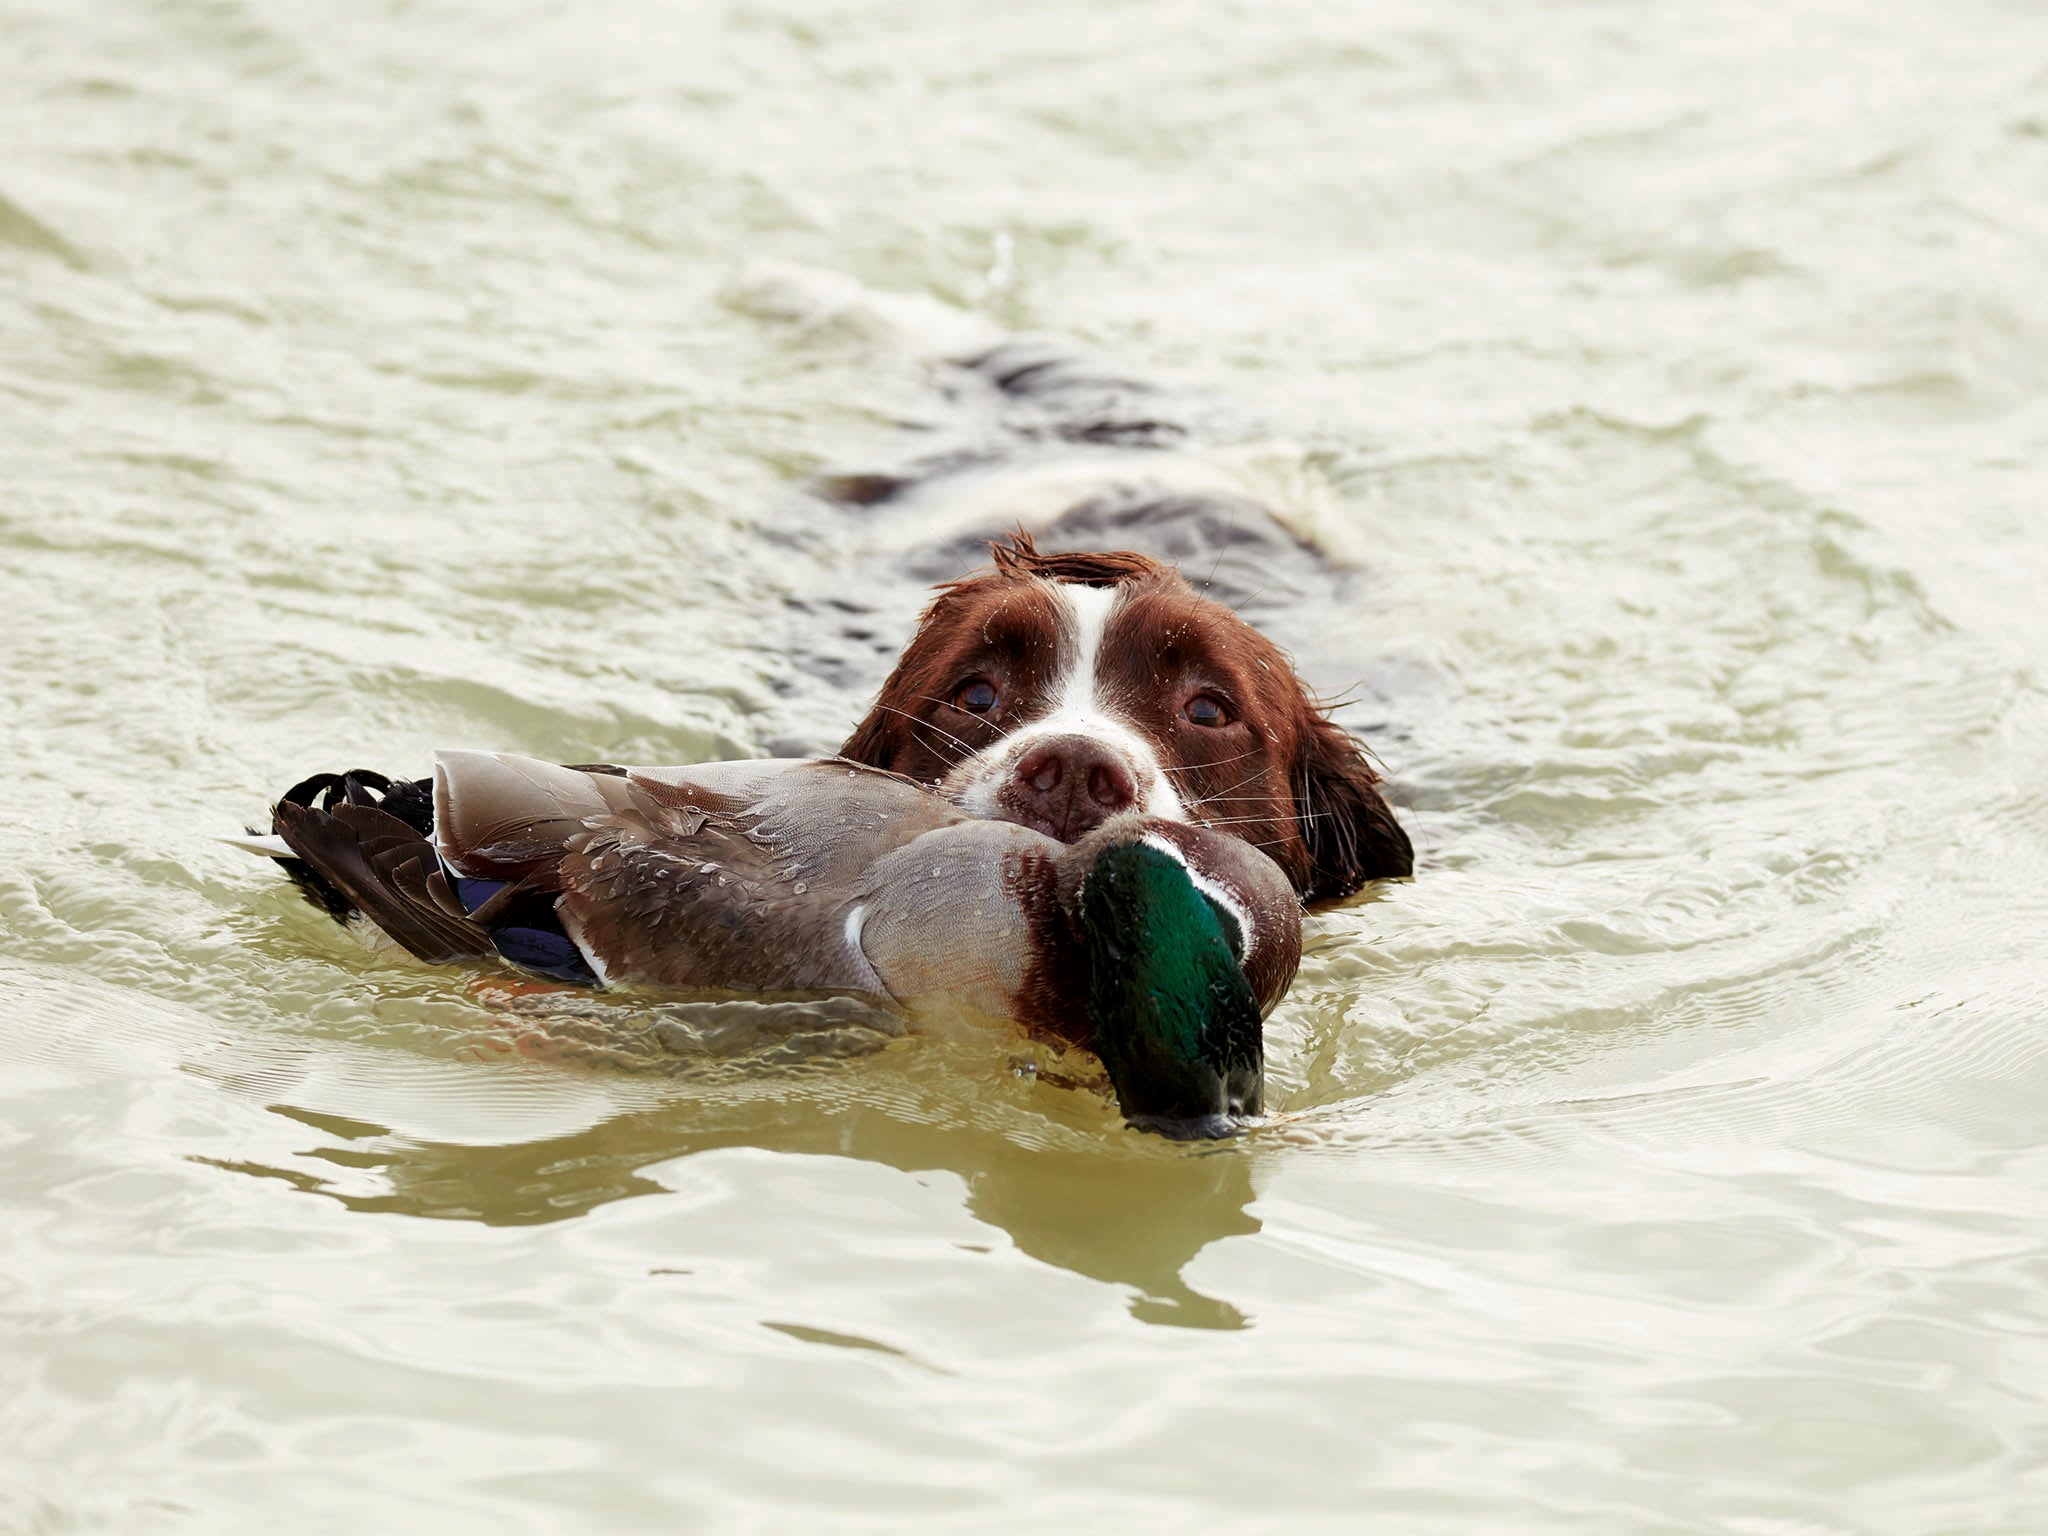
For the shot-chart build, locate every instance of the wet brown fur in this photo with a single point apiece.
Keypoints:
(1282, 776)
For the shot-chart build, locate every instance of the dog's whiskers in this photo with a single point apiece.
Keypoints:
(1221, 762)
(926, 725)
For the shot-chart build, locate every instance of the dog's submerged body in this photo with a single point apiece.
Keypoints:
(1082, 674)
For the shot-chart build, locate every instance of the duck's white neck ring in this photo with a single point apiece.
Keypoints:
(1222, 895)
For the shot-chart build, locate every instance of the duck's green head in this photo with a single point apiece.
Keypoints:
(1171, 1013)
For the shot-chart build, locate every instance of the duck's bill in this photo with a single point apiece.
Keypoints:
(1199, 1103)
(1199, 1128)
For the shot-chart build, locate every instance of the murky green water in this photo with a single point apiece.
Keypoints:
(1669, 1157)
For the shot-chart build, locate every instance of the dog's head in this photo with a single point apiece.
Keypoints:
(1057, 690)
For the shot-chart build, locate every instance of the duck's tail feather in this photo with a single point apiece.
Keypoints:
(409, 800)
(360, 842)
(267, 844)
(382, 867)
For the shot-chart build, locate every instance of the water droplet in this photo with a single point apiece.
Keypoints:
(800, 887)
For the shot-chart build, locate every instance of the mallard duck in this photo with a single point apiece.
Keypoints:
(1158, 945)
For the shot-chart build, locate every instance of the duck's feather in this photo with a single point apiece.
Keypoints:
(782, 876)
(271, 847)
(389, 872)
(765, 876)
(1158, 944)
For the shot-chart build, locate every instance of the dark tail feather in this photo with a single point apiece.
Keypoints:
(382, 866)
(364, 844)
(410, 800)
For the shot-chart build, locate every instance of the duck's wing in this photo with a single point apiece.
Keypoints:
(756, 876)
(498, 816)
(831, 820)
(740, 878)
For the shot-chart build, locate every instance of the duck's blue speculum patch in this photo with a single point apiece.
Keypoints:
(528, 932)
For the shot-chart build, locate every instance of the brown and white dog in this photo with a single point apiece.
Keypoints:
(1058, 689)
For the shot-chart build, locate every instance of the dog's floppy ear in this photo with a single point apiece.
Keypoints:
(1350, 831)
(875, 740)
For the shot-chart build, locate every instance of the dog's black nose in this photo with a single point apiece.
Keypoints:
(1066, 786)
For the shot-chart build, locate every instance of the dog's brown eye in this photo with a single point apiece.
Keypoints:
(1206, 709)
(977, 697)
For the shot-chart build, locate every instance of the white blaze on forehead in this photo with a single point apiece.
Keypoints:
(1085, 618)
(1077, 708)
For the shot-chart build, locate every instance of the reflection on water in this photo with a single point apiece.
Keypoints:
(1098, 1207)
(1048, 1161)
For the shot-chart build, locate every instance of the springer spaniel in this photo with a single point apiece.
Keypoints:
(1078, 677)
(1058, 689)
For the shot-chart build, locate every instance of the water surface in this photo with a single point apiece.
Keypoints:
(1667, 1157)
